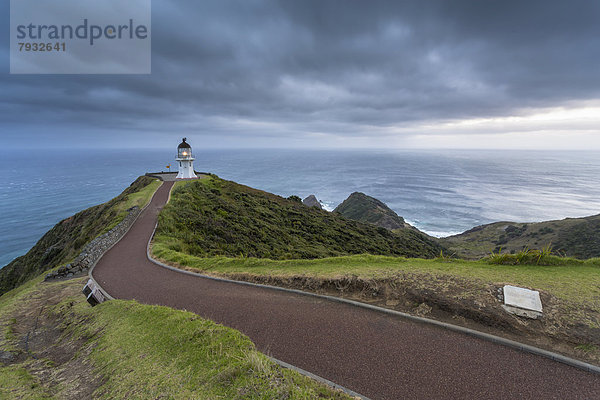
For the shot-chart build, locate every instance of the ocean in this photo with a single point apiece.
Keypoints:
(440, 192)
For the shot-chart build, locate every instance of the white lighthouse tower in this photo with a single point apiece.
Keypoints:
(186, 161)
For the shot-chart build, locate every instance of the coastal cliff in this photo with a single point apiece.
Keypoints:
(66, 239)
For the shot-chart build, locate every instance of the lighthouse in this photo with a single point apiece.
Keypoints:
(186, 161)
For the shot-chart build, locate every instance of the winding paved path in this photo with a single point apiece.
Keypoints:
(377, 355)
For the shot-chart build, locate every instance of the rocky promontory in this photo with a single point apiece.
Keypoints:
(360, 207)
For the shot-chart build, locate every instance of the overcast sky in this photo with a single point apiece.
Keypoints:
(300, 73)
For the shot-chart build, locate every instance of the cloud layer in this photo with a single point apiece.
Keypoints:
(328, 73)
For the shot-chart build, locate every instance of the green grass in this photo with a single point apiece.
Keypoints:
(578, 281)
(8, 302)
(587, 348)
(152, 351)
(18, 383)
(15, 381)
(139, 198)
(215, 217)
(149, 352)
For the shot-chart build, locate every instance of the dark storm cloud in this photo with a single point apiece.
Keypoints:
(291, 68)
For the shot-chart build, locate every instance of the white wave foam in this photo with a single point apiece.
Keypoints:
(327, 205)
(437, 234)
(440, 234)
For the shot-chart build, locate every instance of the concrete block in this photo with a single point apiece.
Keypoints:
(522, 298)
(522, 302)
(95, 297)
(87, 289)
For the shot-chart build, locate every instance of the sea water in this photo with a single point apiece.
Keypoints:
(440, 192)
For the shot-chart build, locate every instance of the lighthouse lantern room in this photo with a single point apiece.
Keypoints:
(186, 161)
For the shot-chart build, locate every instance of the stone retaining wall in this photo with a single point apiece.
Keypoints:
(92, 251)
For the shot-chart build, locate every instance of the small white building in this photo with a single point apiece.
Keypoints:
(186, 161)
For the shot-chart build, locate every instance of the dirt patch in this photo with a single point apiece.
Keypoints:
(564, 328)
(42, 344)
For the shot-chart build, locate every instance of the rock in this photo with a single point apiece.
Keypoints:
(311, 201)
(360, 207)
(7, 357)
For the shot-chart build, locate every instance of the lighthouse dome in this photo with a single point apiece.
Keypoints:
(184, 145)
(184, 150)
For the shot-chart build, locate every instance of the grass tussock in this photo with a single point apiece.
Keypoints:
(19, 383)
(542, 256)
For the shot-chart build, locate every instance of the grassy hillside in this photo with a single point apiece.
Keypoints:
(66, 239)
(215, 217)
(125, 350)
(360, 207)
(573, 237)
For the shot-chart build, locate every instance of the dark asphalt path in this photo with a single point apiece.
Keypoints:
(377, 355)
